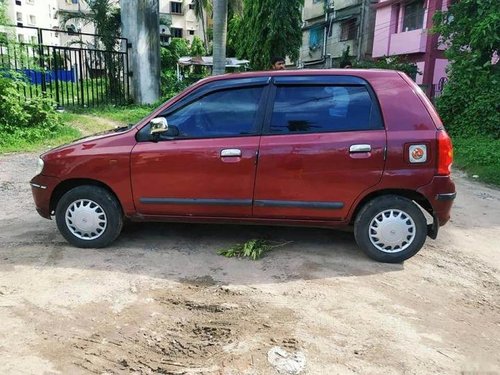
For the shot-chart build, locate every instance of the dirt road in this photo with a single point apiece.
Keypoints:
(160, 300)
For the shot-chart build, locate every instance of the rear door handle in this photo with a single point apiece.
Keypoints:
(230, 152)
(360, 148)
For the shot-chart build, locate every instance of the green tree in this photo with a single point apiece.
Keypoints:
(197, 48)
(105, 16)
(345, 59)
(170, 55)
(202, 7)
(390, 62)
(4, 20)
(470, 102)
(270, 28)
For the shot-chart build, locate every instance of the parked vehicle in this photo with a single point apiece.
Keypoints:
(329, 148)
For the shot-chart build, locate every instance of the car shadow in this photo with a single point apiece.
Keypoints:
(189, 253)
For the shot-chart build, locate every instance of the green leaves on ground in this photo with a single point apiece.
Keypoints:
(253, 249)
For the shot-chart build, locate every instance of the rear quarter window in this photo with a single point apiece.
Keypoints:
(324, 108)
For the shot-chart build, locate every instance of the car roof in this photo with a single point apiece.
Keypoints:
(364, 73)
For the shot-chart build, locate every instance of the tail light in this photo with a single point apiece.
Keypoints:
(445, 153)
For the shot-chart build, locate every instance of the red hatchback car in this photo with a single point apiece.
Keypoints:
(328, 148)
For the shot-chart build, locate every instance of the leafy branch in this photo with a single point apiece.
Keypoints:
(253, 249)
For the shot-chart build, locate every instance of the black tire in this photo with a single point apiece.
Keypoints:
(390, 229)
(89, 217)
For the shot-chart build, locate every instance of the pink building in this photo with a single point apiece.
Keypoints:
(402, 28)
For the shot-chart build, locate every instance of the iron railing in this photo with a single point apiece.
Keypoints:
(78, 73)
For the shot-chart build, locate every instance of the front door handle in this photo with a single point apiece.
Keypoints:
(360, 148)
(230, 152)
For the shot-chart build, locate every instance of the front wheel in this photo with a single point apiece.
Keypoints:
(390, 229)
(89, 216)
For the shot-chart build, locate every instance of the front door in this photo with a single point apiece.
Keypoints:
(208, 169)
(323, 146)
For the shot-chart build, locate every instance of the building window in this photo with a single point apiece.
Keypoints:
(413, 18)
(315, 38)
(20, 38)
(32, 20)
(19, 17)
(34, 39)
(348, 30)
(176, 32)
(191, 6)
(175, 8)
(30, 2)
(18, 2)
(191, 32)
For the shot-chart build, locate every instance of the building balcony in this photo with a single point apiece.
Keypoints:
(409, 42)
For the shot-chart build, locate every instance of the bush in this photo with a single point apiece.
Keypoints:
(30, 120)
(470, 104)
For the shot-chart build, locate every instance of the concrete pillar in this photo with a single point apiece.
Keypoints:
(140, 25)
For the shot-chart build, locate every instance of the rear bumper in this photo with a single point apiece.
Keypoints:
(440, 193)
(42, 188)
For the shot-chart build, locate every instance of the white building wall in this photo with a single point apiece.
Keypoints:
(34, 13)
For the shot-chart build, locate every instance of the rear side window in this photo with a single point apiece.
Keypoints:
(323, 108)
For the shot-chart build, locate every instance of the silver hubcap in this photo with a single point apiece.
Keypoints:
(392, 231)
(86, 219)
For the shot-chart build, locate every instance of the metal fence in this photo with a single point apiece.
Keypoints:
(71, 68)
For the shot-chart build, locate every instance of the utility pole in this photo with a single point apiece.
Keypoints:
(141, 25)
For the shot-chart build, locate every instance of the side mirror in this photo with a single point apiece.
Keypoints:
(158, 125)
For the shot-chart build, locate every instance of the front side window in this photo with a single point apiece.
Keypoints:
(225, 113)
(307, 109)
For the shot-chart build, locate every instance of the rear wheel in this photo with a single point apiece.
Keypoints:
(390, 229)
(89, 217)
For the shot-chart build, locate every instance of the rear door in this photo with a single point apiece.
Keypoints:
(323, 145)
(208, 169)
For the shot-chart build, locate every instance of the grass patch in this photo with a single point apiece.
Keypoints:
(77, 123)
(123, 115)
(16, 143)
(479, 155)
(88, 124)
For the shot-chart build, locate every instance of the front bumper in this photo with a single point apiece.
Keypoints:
(42, 188)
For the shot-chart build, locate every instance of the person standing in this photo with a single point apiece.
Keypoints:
(277, 63)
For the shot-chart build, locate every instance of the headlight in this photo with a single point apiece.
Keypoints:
(39, 166)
